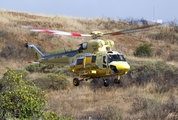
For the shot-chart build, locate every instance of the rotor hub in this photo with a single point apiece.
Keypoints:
(96, 34)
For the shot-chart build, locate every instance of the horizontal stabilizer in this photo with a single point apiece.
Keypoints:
(34, 62)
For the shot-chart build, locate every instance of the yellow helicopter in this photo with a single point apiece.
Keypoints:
(94, 59)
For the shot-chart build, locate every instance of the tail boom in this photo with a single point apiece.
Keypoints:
(38, 53)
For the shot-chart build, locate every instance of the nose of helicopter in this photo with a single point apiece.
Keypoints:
(120, 67)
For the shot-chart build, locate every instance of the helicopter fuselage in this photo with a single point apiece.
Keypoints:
(94, 59)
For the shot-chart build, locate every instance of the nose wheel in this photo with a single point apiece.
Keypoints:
(116, 81)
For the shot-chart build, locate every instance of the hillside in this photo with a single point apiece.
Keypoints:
(150, 92)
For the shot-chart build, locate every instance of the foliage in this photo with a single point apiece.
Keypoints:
(52, 81)
(10, 51)
(143, 51)
(154, 109)
(133, 21)
(167, 33)
(63, 69)
(173, 56)
(174, 25)
(35, 67)
(162, 75)
(20, 98)
(58, 81)
(53, 116)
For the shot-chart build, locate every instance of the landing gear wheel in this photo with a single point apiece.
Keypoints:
(76, 82)
(116, 81)
(106, 82)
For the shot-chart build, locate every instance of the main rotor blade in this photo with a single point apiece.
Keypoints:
(55, 32)
(138, 29)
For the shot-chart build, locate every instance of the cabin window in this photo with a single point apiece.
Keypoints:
(79, 61)
(93, 59)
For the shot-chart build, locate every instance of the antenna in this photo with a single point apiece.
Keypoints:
(154, 20)
(153, 13)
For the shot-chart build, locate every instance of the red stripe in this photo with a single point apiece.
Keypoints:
(48, 31)
(75, 34)
(116, 33)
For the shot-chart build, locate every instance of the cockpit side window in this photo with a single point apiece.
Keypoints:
(83, 46)
(121, 57)
(116, 57)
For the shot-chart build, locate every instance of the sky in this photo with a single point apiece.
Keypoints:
(165, 10)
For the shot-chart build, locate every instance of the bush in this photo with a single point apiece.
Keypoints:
(53, 116)
(35, 67)
(143, 51)
(164, 76)
(10, 51)
(154, 109)
(19, 98)
(52, 81)
(58, 81)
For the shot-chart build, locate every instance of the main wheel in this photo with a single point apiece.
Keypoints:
(116, 81)
(106, 82)
(76, 82)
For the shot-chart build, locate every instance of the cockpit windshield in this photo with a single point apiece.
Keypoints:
(115, 57)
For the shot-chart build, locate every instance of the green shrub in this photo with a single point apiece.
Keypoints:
(53, 116)
(164, 76)
(35, 67)
(143, 51)
(58, 81)
(19, 98)
(52, 81)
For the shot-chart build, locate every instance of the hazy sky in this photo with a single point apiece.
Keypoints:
(167, 10)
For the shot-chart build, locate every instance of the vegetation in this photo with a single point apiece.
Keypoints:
(143, 51)
(36, 67)
(22, 99)
(52, 81)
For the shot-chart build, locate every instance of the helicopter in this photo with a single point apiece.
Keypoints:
(94, 59)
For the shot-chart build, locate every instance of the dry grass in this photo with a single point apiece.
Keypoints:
(131, 103)
(129, 100)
